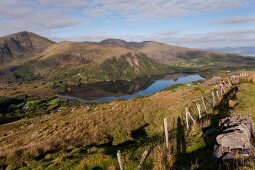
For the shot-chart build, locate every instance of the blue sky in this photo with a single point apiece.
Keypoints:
(190, 23)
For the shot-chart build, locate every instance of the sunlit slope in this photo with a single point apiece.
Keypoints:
(68, 62)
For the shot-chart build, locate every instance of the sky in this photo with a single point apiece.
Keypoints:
(188, 23)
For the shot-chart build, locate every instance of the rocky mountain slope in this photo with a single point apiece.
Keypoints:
(20, 45)
(160, 52)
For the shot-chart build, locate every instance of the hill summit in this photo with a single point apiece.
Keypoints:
(22, 44)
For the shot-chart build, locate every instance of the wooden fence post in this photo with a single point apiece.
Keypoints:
(166, 133)
(203, 101)
(222, 89)
(187, 120)
(144, 156)
(218, 95)
(213, 99)
(232, 80)
(120, 160)
(191, 117)
(229, 82)
(199, 110)
(226, 84)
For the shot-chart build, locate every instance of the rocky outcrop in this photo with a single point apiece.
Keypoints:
(235, 140)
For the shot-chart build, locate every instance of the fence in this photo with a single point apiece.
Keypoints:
(192, 114)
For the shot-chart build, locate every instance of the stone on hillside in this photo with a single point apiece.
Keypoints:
(235, 139)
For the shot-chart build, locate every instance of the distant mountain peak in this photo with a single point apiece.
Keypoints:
(22, 44)
(123, 43)
(245, 51)
(114, 42)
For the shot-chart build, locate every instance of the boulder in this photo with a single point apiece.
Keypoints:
(235, 139)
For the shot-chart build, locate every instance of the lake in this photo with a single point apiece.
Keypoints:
(122, 89)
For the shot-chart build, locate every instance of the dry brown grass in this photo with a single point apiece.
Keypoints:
(36, 88)
(107, 123)
(98, 53)
(168, 54)
(162, 158)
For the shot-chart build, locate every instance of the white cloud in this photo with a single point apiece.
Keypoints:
(165, 8)
(142, 9)
(44, 15)
(16, 15)
(236, 20)
(210, 40)
(47, 16)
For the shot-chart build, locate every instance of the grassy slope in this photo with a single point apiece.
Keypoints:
(104, 124)
(199, 147)
(110, 124)
(246, 100)
(72, 71)
(89, 137)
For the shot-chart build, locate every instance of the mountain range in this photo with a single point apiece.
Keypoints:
(24, 44)
(244, 51)
(66, 134)
(26, 56)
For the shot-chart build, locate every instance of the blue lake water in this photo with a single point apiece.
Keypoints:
(146, 90)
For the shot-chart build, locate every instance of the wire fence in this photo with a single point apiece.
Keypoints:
(159, 151)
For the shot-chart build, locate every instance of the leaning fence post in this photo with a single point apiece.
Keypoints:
(203, 101)
(199, 110)
(226, 84)
(143, 159)
(218, 95)
(191, 117)
(166, 132)
(120, 160)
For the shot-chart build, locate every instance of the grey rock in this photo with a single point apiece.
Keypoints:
(235, 139)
